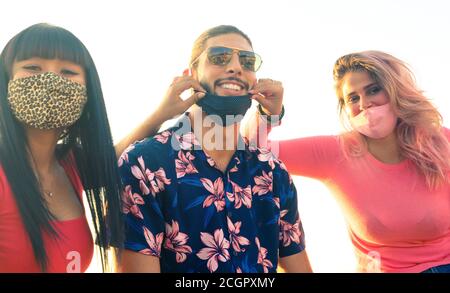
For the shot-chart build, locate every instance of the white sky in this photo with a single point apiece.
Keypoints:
(139, 46)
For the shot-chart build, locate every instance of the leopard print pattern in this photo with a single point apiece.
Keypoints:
(47, 100)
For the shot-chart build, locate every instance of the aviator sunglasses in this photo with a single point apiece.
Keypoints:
(222, 56)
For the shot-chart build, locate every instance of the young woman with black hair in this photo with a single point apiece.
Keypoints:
(55, 143)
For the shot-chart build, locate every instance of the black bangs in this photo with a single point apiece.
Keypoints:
(47, 42)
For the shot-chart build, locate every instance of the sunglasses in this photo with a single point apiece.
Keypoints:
(222, 56)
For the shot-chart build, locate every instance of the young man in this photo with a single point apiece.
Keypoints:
(197, 198)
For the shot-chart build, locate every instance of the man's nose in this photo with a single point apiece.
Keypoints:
(234, 66)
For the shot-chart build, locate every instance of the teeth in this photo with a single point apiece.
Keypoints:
(231, 86)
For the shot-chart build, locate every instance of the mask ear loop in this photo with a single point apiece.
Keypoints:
(188, 72)
(63, 134)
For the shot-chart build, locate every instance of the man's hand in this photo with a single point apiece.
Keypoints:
(173, 105)
(269, 93)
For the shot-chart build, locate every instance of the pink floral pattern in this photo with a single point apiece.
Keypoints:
(262, 257)
(235, 168)
(266, 155)
(211, 161)
(263, 183)
(217, 193)
(124, 157)
(131, 201)
(289, 232)
(240, 196)
(179, 207)
(216, 249)
(235, 239)
(276, 201)
(187, 140)
(149, 181)
(163, 136)
(176, 242)
(153, 242)
(184, 164)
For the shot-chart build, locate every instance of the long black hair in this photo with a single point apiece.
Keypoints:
(89, 140)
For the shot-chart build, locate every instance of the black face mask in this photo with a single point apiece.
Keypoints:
(234, 107)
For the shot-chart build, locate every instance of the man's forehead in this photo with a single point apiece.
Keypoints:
(231, 40)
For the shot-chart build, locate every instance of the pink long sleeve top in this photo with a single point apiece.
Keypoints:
(396, 223)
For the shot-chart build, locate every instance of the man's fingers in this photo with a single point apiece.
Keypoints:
(193, 99)
(267, 87)
(260, 98)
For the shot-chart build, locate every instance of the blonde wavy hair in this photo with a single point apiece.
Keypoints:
(419, 127)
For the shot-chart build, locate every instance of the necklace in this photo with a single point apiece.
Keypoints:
(39, 178)
(45, 184)
(48, 193)
(45, 190)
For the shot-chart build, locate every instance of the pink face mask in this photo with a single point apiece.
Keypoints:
(375, 122)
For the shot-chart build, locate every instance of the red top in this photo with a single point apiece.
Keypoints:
(71, 252)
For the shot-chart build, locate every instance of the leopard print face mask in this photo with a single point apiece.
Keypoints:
(47, 100)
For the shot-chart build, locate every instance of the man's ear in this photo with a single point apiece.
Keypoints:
(193, 72)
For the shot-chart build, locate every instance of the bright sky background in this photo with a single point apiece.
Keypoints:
(139, 46)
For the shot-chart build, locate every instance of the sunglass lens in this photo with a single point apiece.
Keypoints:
(248, 60)
(222, 56)
(219, 55)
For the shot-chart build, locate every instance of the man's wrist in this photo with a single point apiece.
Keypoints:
(269, 113)
(272, 119)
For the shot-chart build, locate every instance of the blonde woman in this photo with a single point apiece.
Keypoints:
(389, 173)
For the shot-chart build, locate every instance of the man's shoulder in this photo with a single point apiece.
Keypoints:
(163, 146)
(175, 138)
(154, 150)
(156, 143)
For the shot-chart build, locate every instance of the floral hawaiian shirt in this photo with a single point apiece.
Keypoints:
(179, 207)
